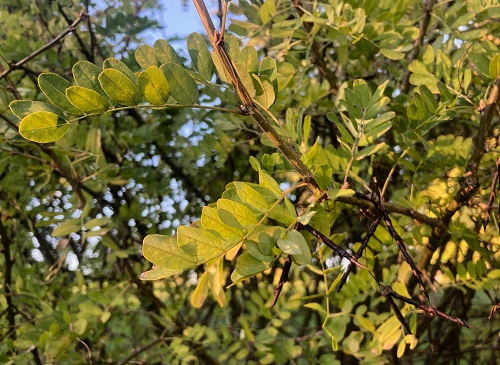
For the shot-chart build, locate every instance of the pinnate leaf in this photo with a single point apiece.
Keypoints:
(23, 108)
(120, 87)
(200, 55)
(154, 86)
(54, 87)
(87, 100)
(169, 258)
(166, 53)
(182, 86)
(43, 127)
(146, 56)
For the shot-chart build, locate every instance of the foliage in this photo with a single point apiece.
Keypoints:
(378, 133)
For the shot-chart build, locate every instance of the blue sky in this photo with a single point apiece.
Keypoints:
(179, 20)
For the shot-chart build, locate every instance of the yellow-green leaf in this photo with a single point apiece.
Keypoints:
(43, 127)
(87, 100)
(154, 86)
(164, 252)
(146, 56)
(264, 91)
(120, 87)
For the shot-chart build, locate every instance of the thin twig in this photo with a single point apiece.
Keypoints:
(492, 194)
(82, 16)
(283, 280)
(329, 243)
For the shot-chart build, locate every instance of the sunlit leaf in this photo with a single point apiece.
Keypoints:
(120, 87)
(154, 86)
(118, 65)
(43, 127)
(169, 258)
(87, 100)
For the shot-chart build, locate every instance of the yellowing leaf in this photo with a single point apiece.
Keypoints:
(154, 86)
(87, 100)
(43, 127)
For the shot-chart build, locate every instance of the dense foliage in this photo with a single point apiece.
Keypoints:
(306, 135)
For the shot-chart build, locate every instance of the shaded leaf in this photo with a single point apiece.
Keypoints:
(146, 56)
(182, 86)
(243, 215)
(166, 53)
(247, 266)
(200, 55)
(23, 108)
(54, 87)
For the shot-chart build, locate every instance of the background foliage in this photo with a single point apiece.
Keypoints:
(402, 91)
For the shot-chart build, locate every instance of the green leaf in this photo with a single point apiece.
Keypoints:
(268, 68)
(211, 221)
(182, 86)
(295, 244)
(207, 244)
(86, 75)
(246, 79)
(146, 56)
(154, 86)
(43, 127)
(323, 176)
(247, 266)
(68, 227)
(266, 181)
(200, 56)
(120, 87)
(254, 249)
(164, 252)
(54, 87)
(368, 151)
(243, 215)
(251, 197)
(118, 65)
(87, 100)
(264, 91)
(23, 108)
(166, 53)
(337, 193)
(248, 59)
(393, 55)
(495, 67)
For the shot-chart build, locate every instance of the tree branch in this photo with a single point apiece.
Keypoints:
(249, 106)
(70, 29)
